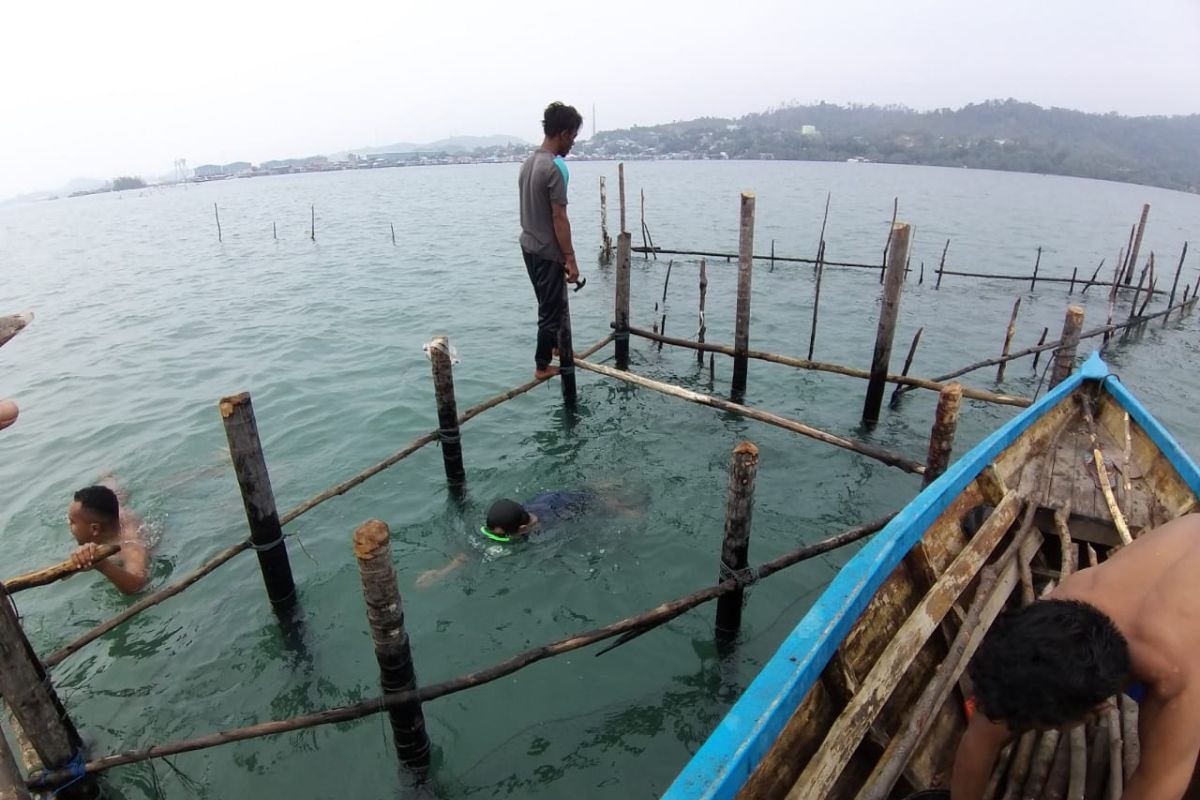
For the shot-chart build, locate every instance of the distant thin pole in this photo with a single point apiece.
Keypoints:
(1037, 263)
(812, 336)
(888, 243)
(393, 227)
(217, 214)
(313, 224)
(821, 238)
(1175, 283)
(274, 233)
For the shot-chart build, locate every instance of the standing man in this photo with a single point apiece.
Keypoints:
(545, 229)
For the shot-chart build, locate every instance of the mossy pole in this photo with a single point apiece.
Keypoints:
(566, 352)
(1137, 243)
(890, 308)
(30, 695)
(385, 617)
(1009, 332)
(735, 546)
(621, 317)
(741, 333)
(250, 466)
(447, 412)
(941, 437)
(1064, 356)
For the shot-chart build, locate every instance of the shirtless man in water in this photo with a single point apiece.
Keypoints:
(97, 516)
(1131, 624)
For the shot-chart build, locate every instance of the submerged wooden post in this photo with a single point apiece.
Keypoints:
(250, 466)
(812, 334)
(1175, 284)
(606, 248)
(1137, 244)
(1008, 337)
(392, 225)
(1064, 356)
(912, 351)
(30, 695)
(621, 317)
(274, 232)
(735, 547)
(1037, 263)
(941, 438)
(645, 238)
(942, 265)
(703, 327)
(1071, 288)
(889, 310)
(1041, 341)
(447, 411)
(566, 352)
(385, 616)
(217, 214)
(621, 187)
(12, 782)
(741, 333)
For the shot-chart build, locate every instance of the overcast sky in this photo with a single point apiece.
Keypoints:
(125, 87)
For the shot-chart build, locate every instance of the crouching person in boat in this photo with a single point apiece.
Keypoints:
(1132, 625)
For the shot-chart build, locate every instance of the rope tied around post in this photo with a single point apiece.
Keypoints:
(745, 577)
(449, 435)
(259, 548)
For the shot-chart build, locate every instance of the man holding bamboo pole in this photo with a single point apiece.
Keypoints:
(96, 517)
(545, 230)
(1128, 625)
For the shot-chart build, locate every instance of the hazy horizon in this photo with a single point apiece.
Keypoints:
(129, 92)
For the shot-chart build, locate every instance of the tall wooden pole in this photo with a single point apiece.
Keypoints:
(621, 187)
(30, 695)
(1137, 243)
(566, 352)
(1175, 283)
(735, 547)
(889, 310)
(385, 616)
(703, 327)
(12, 782)
(621, 318)
(217, 214)
(250, 466)
(741, 333)
(606, 248)
(447, 412)
(1008, 337)
(941, 437)
(1064, 356)
(812, 334)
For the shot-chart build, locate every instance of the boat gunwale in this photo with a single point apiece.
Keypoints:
(735, 748)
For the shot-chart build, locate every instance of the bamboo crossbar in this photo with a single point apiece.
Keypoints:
(517, 662)
(1040, 348)
(225, 555)
(837, 369)
(768, 257)
(889, 457)
(48, 575)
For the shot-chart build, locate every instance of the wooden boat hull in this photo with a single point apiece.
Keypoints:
(830, 715)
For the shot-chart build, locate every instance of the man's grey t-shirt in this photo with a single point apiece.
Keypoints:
(543, 182)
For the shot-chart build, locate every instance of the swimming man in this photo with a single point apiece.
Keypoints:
(97, 516)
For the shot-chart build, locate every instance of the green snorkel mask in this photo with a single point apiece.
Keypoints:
(493, 536)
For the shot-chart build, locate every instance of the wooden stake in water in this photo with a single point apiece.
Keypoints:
(1092, 279)
(812, 334)
(1125, 272)
(662, 328)
(821, 238)
(12, 782)
(887, 245)
(1137, 243)
(217, 214)
(447, 412)
(1041, 341)
(888, 312)
(274, 234)
(941, 437)
(392, 225)
(741, 333)
(912, 351)
(621, 187)
(703, 326)
(385, 616)
(645, 240)
(1175, 283)
(1037, 263)
(606, 245)
(942, 265)
(312, 230)
(30, 695)
(735, 547)
(1071, 288)
(266, 534)
(566, 352)
(1008, 337)
(1064, 356)
(621, 316)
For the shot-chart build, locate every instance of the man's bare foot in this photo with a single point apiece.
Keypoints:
(543, 374)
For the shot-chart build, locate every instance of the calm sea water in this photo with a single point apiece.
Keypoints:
(144, 320)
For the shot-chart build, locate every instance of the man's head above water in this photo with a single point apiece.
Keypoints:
(509, 518)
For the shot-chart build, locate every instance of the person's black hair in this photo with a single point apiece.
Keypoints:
(101, 501)
(559, 117)
(1049, 663)
(507, 516)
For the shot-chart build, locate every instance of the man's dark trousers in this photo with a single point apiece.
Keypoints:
(550, 285)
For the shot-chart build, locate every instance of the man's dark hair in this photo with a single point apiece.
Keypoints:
(507, 515)
(1049, 663)
(101, 501)
(559, 118)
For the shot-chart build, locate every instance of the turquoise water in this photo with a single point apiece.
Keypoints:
(144, 321)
